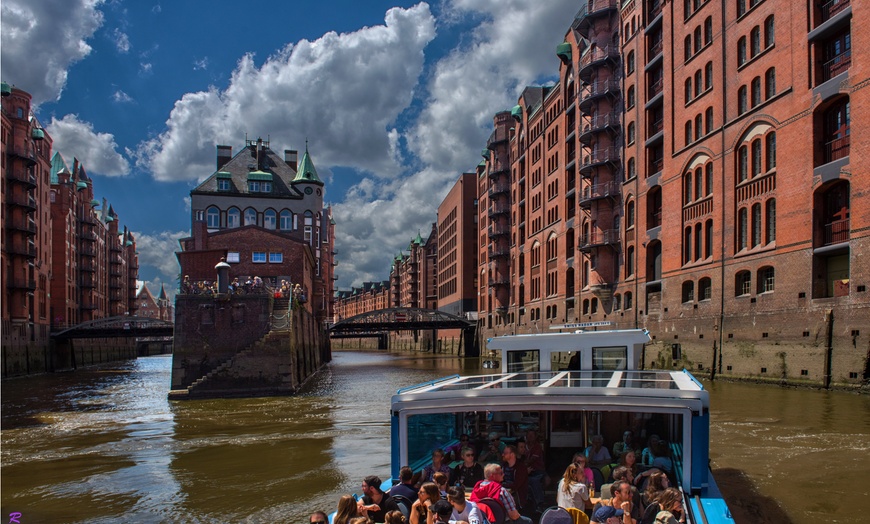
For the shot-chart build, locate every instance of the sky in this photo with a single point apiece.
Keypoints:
(396, 100)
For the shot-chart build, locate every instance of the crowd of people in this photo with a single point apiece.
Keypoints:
(244, 286)
(505, 482)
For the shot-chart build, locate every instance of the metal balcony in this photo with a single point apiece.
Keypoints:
(599, 123)
(498, 252)
(597, 192)
(589, 11)
(593, 159)
(26, 249)
(498, 209)
(24, 225)
(832, 7)
(22, 177)
(497, 189)
(23, 201)
(498, 230)
(596, 57)
(595, 90)
(837, 232)
(598, 239)
(22, 283)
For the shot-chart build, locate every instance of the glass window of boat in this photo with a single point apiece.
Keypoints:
(609, 357)
(565, 360)
(523, 361)
(431, 431)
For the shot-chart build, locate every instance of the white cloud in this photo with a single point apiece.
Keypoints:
(41, 39)
(121, 97)
(344, 91)
(156, 9)
(145, 68)
(158, 252)
(97, 151)
(200, 64)
(122, 41)
(512, 46)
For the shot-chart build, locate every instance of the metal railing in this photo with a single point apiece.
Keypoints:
(836, 65)
(837, 232)
(832, 7)
(836, 149)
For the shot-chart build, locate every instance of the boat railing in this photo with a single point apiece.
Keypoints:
(424, 384)
(691, 376)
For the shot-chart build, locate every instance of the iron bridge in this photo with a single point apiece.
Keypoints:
(399, 319)
(115, 327)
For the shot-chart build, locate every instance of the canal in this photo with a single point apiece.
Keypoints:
(105, 445)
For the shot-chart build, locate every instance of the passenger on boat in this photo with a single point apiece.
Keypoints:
(453, 451)
(582, 463)
(374, 503)
(437, 464)
(395, 517)
(427, 496)
(405, 487)
(656, 484)
(534, 458)
(671, 503)
(624, 445)
(360, 520)
(648, 454)
(516, 475)
(491, 487)
(623, 474)
(441, 512)
(318, 517)
(492, 454)
(463, 510)
(440, 478)
(572, 491)
(619, 506)
(347, 509)
(597, 453)
(469, 472)
(628, 460)
(662, 459)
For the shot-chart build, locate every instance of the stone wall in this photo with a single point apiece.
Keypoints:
(23, 358)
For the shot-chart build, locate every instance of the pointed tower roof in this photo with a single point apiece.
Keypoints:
(306, 171)
(419, 239)
(162, 293)
(57, 166)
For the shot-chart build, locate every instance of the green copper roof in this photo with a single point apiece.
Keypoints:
(81, 185)
(37, 134)
(419, 239)
(306, 171)
(57, 166)
(129, 243)
(484, 153)
(563, 51)
(517, 112)
(260, 175)
(482, 163)
(110, 218)
(224, 174)
(5, 89)
(95, 203)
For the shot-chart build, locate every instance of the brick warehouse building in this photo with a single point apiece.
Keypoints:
(264, 215)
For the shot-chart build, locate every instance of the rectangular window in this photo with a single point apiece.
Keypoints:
(276, 258)
(265, 187)
(308, 234)
(223, 184)
(253, 186)
(259, 257)
(233, 257)
(609, 358)
(523, 361)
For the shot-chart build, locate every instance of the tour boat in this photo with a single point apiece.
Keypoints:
(568, 387)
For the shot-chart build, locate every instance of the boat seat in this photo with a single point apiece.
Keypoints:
(598, 477)
(404, 505)
(497, 509)
(557, 515)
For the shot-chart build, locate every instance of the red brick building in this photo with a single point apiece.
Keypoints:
(457, 247)
(148, 306)
(264, 215)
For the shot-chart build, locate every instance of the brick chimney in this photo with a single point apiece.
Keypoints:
(224, 155)
(291, 158)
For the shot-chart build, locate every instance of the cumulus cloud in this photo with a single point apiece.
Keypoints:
(122, 41)
(97, 151)
(121, 97)
(344, 91)
(41, 39)
(512, 46)
(158, 251)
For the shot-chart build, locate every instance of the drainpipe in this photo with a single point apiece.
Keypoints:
(829, 346)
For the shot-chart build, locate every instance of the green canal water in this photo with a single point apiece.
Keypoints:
(104, 445)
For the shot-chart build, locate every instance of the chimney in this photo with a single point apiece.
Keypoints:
(291, 158)
(224, 155)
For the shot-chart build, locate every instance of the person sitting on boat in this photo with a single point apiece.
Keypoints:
(490, 487)
(441, 512)
(463, 510)
(374, 503)
(454, 451)
(597, 453)
(405, 487)
(469, 472)
(440, 478)
(619, 506)
(624, 474)
(347, 509)
(656, 484)
(663, 461)
(572, 491)
(625, 445)
(671, 503)
(395, 517)
(493, 452)
(648, 454)
(516, 475)
(427, 496)
(534, 458)
(583, 463)
(628, 460)
(318, 517)
(436, 465)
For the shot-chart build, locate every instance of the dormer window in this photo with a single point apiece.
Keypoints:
(223, 185)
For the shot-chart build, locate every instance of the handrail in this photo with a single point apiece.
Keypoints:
(429, 383)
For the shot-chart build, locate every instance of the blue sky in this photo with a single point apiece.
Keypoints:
(395, 98)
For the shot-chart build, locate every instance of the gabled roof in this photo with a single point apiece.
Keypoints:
(306, 171)
(162, 292)
(242, 165)
(57, 166)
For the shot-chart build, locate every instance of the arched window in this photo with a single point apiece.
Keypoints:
(629, 99)
(770, 220)
(742, 163)
(741, 100)
(687, 183)
(756, 157)
(213, 217)
(688, 132)
(617, 301)
(699, 183)
(708, 30)
(709, 176)
(705, 289)
(285, 222)
(687, 245)
(629, 269)
(756, 91)
(741, 7)
(688, 291)
(687, 49)
(631, 132)
(234, 217)
(250, 217)
(632, 169)
(708, 238)
(698, 82)
(697, 35)
(688, 89)
(629, 63)
(628, 303)
(742, 229)
(699, 241)
(708, 76)
(269, 219)
(741, 51)
(698, 126)
(687, 8)
(768, 32)
(742, 283)
(770, 153)
(754, 41)
(708, 117)
(766, 279)
(770, 83)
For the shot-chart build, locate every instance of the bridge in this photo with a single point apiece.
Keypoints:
(379, 323)
(115, 327)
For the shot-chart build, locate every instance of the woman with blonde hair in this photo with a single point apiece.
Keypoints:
(572, 491)
(428, 495)
(346, 511)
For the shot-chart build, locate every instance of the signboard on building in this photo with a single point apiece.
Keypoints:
(583, 325)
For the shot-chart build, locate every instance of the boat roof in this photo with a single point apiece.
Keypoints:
(619, 389)
(568, 341)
